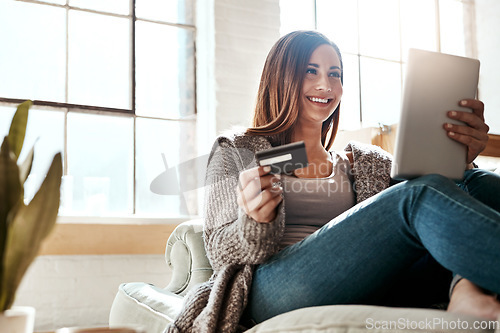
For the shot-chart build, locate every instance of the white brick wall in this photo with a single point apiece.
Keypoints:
(79, 290)
(244, 33)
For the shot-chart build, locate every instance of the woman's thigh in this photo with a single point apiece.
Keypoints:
(354, 258)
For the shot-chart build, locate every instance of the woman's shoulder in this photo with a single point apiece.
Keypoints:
(371, 165)
(237, 137)
(342, 156)
(355, 149)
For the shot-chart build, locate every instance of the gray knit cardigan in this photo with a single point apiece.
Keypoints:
(235, 243)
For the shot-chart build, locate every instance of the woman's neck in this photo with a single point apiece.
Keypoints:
(320, 164)
(312, 139)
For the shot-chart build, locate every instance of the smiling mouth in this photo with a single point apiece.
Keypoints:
(319, 100)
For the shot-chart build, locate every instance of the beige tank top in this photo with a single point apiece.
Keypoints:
(310, 203)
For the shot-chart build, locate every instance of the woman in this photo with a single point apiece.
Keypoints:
(278, 243)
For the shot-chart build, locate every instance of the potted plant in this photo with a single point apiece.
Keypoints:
(22, 227)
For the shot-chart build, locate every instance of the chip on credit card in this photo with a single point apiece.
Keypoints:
(285, 158)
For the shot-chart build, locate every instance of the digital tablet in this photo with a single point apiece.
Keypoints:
(435, 83)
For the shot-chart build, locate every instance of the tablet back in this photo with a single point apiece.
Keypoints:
(435, 83)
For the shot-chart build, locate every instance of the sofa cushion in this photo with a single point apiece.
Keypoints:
(144, 305)
(153, 308)
(364, 318)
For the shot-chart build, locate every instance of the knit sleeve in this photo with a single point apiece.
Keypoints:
(371, 169)
(232, 237)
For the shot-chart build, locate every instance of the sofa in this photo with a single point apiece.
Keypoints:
(153, 307)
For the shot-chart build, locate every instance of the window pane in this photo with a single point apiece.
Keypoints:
(174, 11)
(296, 15)
(110, 6)
(32, 66)
(165, 149)
(349, 110)
(452, 27)
(6, 114)
(338, 19)
(379, 28)
(165, 76)
(99, 60)
(100, 164)
(46, 132)
(381, 91)
(418, 25)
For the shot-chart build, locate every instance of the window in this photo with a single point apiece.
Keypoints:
(374, 37)
(114, 89)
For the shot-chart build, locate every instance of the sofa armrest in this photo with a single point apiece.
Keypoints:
(185, 255)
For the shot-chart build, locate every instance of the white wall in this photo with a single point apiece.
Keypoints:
(244, 33)
(79, 290)
(488, 49)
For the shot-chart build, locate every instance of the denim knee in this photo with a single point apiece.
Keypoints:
(474, 174)
(483, 185)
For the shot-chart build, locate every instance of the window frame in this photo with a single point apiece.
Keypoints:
(469, 40)
(67, 108)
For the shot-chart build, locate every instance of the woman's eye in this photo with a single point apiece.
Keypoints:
(334, 74)
(311, 71)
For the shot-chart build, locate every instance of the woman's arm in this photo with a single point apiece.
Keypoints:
(231, 236)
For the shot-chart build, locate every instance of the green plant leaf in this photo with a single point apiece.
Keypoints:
(25, 167)
(17, 129)
(30, 225)
(10, 187)
(11, 194)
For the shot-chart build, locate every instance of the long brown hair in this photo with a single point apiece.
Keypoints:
(278, 98)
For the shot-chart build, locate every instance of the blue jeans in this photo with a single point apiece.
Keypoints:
(355, 258)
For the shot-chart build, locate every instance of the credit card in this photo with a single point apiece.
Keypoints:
(285, 158)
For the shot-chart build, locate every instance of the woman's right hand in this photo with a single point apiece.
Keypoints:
(259, 193)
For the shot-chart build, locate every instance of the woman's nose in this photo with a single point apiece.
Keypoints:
(323, 83)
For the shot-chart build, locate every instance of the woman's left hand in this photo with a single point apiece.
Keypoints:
(474, 134)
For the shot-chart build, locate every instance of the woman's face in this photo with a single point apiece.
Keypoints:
(322, 88)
